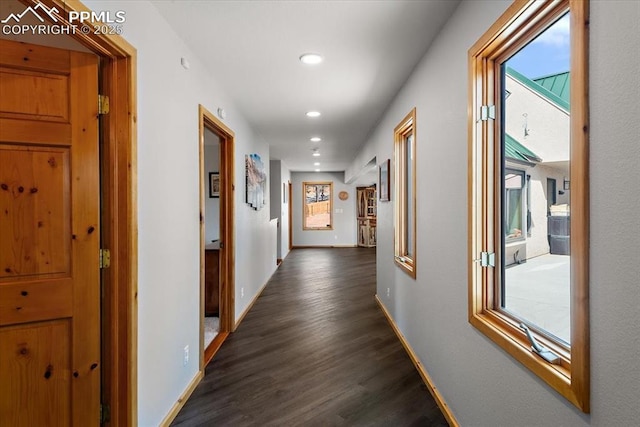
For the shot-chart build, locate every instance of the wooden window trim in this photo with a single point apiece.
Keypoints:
(407, 126)
(304, 205)
(522, 20)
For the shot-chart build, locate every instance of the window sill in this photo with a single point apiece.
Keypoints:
(406, 266)
(556, 376)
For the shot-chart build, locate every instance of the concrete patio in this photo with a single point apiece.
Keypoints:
(538, 291)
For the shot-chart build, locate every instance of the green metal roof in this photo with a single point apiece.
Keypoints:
(550, 94)
(557, 84)
(516, 151)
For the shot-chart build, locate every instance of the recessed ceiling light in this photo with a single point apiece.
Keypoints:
(316, 154)
(315, 139)
(311, 58)
(313, 113)
(317, 170)
(316, 164)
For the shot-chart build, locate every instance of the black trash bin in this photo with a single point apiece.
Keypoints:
(559, 230)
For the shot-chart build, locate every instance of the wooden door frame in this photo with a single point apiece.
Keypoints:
(207, 120)
(119, 214)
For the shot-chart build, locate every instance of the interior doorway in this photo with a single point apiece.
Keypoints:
(211, 179)
(217, 288)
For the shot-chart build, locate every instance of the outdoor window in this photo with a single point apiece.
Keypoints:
(317, 205)
(514, 184)
(405, 184)
(528, 128)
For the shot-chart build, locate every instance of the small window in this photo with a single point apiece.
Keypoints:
(528, 129)
(317, 205)
(405, 185)
(514, 185)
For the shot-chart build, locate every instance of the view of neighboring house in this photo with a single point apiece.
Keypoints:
(536, 151)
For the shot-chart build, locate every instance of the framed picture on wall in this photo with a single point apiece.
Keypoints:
(385, 194)
(214, 184)
(256, 177)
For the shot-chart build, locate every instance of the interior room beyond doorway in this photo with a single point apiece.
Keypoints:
(212, 235)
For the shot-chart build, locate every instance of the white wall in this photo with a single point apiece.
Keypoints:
(285, 177)
(275, 207)
(344, 231)
(279, 181)
(168, 206)
(211, 204)
(547, 124)
(538, 244)
(482, 384)
(255, 235)
(275, 188)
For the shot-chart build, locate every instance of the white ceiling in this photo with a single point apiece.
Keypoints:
(252, 48)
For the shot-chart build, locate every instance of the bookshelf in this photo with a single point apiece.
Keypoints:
(366, 200)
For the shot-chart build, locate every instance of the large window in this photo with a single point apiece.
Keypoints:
(528, 129)
(317, 205)
(405, 189)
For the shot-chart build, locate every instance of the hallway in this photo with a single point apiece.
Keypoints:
(315, 349)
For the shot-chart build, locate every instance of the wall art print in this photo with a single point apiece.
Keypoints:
(256, 181)
(385, 190)
(214, 184)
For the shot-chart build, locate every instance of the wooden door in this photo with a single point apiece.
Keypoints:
(49, 237)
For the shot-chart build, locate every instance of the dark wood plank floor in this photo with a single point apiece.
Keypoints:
(315, 350)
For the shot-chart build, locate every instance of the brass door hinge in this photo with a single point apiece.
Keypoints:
(105, 258)
(103, 104)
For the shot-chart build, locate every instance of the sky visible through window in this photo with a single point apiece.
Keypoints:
(547, 54)
(536, 284)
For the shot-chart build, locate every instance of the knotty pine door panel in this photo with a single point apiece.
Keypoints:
(49, 237)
